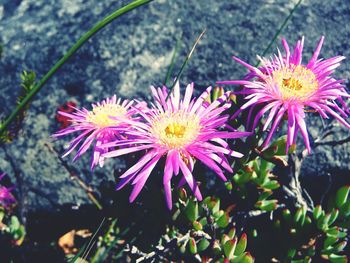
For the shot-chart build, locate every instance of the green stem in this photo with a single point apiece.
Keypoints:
(172, 62)
(71, 51)
(280, 30)
(185, 63)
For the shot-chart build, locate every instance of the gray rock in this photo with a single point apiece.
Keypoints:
(133, 53)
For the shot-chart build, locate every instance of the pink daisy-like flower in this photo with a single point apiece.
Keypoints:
(6, 197)
(182, 130)
(95, 125)
(285, 86)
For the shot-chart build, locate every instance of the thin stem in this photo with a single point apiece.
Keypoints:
(280, 30)
(185, 63)
(172, 62)
(108, 19)
(88, 190)
(89, 245)
(295, 189)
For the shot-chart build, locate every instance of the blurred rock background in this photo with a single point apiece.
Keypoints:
(133, 53)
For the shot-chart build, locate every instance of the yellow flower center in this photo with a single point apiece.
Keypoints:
(175, 130)
(101, 115)
(295, 81)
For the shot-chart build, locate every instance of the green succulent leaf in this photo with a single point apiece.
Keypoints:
(182, 194)
(203, 244)
(233, 98)
(291, 253)
(213, 203)
(232, 233)
(300, 216)
(192, 246)
(334, 216)
(229, 248)
(267, 205)
(317, 212)
(345, 210)
(323, 222)
(342, 196)
(229, 186)
(197, 226)
(308, 220)
(264, 195)
(333, 258)
(241, 245)
(271, 185)
(203, 221)
(329, 241)
(278, 147)
(224, 239)
(223, 221)
(243, 177)
(244, 258)
(191, 210)
(335, 232)
(14, 224)
(2, 215)
(339, 247)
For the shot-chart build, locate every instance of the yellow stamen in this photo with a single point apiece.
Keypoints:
(176, 130)
(101, 115)
(295, 81)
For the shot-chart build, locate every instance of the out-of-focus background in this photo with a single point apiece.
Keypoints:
(131, 54)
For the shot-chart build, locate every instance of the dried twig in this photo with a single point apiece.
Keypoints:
(255, 213)
(327, 131)
(295, 190)
(155, 256)
(333, 142)
(74, 176)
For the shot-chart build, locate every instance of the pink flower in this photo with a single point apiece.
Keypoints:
(95, 126)
(285, 86)
(182, 131)
(6, 197)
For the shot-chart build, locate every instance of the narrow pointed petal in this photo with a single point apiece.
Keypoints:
(143, 175)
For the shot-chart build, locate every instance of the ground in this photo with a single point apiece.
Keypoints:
(131, 54)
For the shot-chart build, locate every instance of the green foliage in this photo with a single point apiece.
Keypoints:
(97, 27)
(321, 232)
(172, 62)
(258, 173)
(215, 93)
(28, 80)
(106, 242)
(191, 210)
(27, 84)
(11, 226)
(5, 136)
(187, 59)
(210, 231)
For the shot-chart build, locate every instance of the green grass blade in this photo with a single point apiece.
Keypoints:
(172, 62)
(87, 249)
(108, 19)
(185, 62)
(279, 31)
(75, 258)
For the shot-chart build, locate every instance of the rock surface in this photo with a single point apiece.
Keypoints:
(133, 53)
